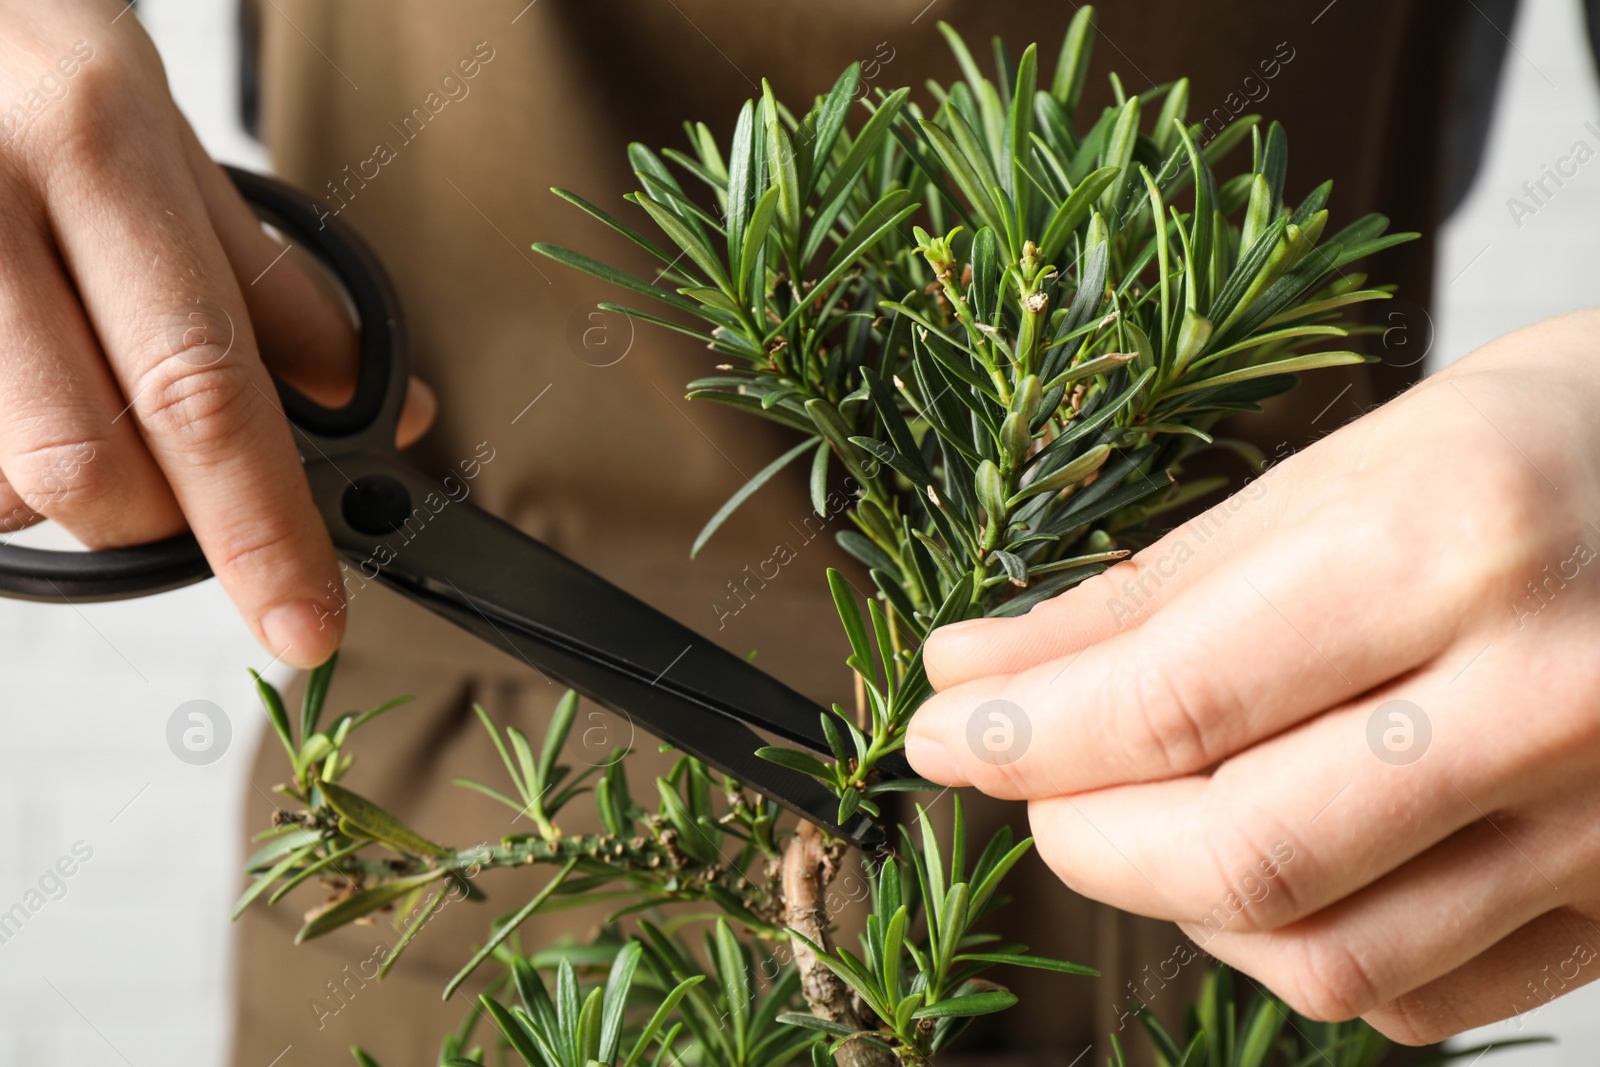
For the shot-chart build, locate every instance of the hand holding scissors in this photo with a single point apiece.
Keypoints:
(471, 568)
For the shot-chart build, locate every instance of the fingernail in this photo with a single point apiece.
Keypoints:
(930, 759)
(297, 634)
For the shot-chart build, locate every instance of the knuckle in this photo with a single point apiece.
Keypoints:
(62, 476)
(1418, 1019)
(93, 115)
(1330, 982)
(1125, 592)
(1167, 724)
(54, 70)
(253, 547)
(1246, 888)
(103, 112)
(1500, 548)
(200, 406)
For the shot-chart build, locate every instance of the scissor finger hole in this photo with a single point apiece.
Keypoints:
(306, 324)
(339, 303)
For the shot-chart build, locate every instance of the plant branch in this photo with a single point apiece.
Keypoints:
(810, 863)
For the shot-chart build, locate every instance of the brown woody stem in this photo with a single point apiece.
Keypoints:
(810, 863)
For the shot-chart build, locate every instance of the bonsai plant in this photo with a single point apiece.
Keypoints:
(1003, 327)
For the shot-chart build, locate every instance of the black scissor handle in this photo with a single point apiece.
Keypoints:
(138, 570)
(109, 574)
(381, 380)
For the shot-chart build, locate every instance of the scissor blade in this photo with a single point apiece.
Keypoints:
(722, 744)
(512, 590)
(459, 549)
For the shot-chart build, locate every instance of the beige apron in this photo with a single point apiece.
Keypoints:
(436, 129)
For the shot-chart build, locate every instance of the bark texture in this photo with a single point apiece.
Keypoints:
(809, 865)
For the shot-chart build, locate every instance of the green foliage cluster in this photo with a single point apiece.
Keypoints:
(926, 988)
(704, 844)
(1003, 324)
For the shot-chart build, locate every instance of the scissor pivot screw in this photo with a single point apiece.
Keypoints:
(376, 505)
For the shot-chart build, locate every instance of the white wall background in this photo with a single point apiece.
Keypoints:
(131, 965)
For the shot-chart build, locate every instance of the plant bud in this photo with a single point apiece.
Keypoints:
(937, 251)
(991, 489)
(1025, 400)
(1192, 337)
(1030, 260)
(1312, 228)
(1015, 439)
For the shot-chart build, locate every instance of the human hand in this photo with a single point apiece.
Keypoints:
(1344, 727)
(138, 292)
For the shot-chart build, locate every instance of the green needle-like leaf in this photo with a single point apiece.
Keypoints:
(661, 1015)
(1073, 65)
(505, 929)
(1293, 365)
(970, 1004)
(781, 162)
(611, 274)
(855, 627)
(316, 695)
(1035, 962)
(555, 737)
(277, 714)
(365, 818)
(261, 884)
(796, 760)
(746, 491)
(364, 903)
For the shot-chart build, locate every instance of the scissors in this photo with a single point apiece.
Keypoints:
(473, 569)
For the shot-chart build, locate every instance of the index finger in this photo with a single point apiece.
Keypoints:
(1253, 647)
(162, 297)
